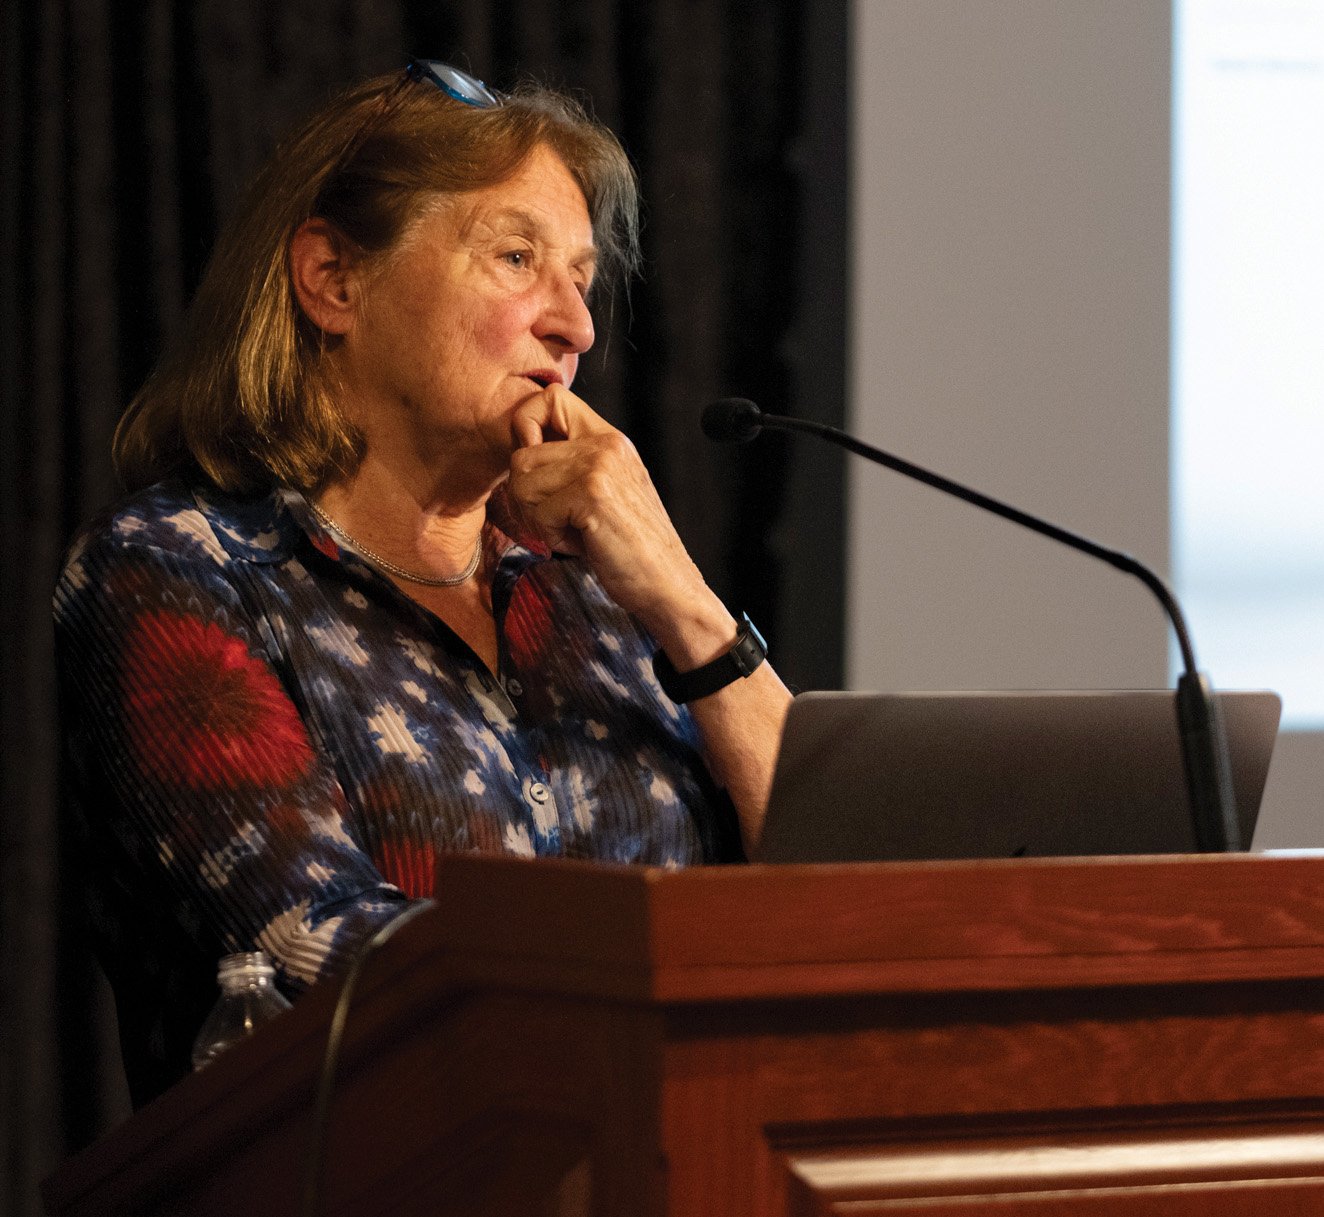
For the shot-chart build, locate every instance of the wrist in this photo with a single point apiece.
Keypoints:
(693, 628)
(739, 660)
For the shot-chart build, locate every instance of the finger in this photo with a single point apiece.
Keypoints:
(553, 519)
(556, 413)
(613, 453)
(539, 420)
(536, 421)
(526, 426)
(533, 480)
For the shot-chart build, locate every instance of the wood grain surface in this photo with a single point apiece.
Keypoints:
(563, 1039)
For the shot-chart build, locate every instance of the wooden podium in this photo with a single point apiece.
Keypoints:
(1032, 1037)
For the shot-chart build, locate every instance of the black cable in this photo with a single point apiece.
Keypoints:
(312, 1175)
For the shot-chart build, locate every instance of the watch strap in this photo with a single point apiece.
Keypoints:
(744, 657)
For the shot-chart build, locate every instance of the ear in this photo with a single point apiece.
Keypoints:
(324, 278)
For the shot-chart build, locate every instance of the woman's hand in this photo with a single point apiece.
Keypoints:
(580, 486)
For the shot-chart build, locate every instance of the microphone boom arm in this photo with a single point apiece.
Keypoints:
(1203, 740)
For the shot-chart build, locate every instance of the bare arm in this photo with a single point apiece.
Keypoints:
(581, 486)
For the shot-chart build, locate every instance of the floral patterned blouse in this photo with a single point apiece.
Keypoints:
(269, 744)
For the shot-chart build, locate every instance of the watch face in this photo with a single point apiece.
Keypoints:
(749, 650)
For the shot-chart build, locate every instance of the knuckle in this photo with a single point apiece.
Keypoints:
(597, 483)
(617, 444)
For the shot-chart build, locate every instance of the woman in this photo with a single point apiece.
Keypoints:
(306, 654)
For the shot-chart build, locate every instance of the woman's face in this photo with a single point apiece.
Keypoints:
(480, 308)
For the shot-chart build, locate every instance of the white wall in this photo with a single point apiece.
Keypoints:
(1010, 328)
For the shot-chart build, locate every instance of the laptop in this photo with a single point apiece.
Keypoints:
(896, 776)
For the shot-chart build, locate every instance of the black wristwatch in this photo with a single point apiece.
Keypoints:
(743, 658)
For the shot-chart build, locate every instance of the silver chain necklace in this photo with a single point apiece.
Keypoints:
(409, 576)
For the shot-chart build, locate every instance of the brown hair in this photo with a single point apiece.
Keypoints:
(243, 394)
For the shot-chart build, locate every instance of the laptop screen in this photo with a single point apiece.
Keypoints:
(887, 777)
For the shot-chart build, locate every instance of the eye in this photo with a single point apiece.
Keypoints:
(518, 258)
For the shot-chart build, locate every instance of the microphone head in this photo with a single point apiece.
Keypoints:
(732, 420)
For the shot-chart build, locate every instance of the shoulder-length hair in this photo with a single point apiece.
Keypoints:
(243, 394)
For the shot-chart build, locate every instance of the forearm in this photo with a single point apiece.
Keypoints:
(742, 723)
(589, 495)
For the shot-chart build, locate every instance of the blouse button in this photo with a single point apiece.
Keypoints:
(538, 792)
(514, 688)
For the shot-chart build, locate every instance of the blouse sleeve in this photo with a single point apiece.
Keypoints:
(195, 759)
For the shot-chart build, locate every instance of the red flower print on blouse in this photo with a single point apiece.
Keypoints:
(410, 865)
(529, 626)
(202, 712)
(323, 544)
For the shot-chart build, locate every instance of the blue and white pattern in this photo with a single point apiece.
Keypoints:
(269, 744)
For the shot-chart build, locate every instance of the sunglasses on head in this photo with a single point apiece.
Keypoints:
(452, 81)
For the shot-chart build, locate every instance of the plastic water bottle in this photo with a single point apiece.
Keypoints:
(249, 997)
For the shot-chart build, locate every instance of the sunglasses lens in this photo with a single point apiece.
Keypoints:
(460, 85)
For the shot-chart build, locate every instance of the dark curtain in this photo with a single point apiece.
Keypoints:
(126, 132)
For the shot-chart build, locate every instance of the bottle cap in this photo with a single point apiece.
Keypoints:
(250, 965)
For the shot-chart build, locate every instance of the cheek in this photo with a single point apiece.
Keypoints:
(498, 330)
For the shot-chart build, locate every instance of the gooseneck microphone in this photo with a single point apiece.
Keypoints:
(736, 420)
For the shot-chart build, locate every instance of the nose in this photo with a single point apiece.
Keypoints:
(564, 319)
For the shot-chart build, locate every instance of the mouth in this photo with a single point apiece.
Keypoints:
(544, 377)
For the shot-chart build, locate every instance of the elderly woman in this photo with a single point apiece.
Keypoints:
(385, 586)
